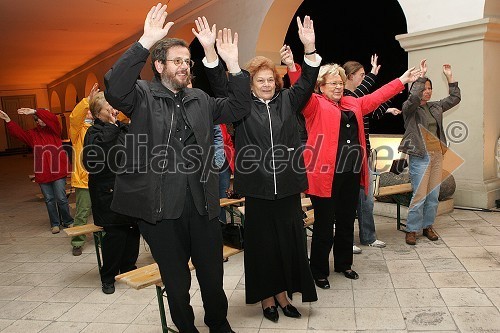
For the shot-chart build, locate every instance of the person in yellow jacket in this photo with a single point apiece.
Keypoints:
(80, 120)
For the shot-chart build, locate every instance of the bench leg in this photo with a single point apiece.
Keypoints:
(398, 217)
(161, 308)
(97, 244)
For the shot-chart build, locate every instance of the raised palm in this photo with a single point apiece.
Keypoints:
(306, 31)
(205, 35)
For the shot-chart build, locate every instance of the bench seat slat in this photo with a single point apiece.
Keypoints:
(82, 229)
(150, 275)
(394, 189)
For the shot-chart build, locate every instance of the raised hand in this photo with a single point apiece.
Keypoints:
(306, 34)
(227, 46)
(154, 26)
(287, 57)
(411, 75)
(4, 116)
(26, 111)
(375, 66)
(206, 37)
(93, 91)
(448, 73)
(393, 111)
(423, 67)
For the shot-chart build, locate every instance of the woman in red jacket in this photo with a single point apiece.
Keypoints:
(51, 161)
(336, 164)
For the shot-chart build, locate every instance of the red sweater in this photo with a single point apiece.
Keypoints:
(323, 127)
(228, 147)
(51, 161)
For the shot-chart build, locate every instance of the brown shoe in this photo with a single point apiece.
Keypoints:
(411, 238)
(77, 250)
(429, 233)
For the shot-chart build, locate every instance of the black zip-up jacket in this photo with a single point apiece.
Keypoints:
(144, 186)
(269, 163)
(103, 144)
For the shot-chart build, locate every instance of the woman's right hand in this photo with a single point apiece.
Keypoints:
(287, 57)
(411, 75)
(4, 116)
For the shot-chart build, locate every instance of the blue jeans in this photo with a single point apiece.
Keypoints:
(224, 182)
(365, 214)
(425, 177)
(57, 202)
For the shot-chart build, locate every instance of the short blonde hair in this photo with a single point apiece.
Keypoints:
(97, 103)
(259, 63)
(328, 69)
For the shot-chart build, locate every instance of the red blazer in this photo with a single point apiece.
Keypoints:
(228, 147)
(323, 126)
(51, 161)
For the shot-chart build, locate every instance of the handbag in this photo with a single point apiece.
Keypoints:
(232, 235)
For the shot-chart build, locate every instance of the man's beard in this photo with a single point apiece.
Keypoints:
(170, 81)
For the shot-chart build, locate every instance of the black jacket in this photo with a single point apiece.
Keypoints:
(103, 144)
(269, 163)
(143, 187)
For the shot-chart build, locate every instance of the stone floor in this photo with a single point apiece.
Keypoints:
(452, 285)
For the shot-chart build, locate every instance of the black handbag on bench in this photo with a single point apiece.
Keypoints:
(232, 235)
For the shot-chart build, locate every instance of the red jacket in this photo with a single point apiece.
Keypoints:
(228, 147)
(323, 127)
(51, 161)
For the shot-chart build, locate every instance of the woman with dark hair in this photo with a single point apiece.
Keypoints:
(120, 244)
(425, 143)
(270, 174)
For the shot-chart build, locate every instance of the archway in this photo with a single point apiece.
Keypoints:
(70, 98)
(89, 82)
(55, 102)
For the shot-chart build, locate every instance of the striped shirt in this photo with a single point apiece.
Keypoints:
(363, 89)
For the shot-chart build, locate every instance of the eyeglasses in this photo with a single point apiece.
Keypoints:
(336, 84)
(179, 61)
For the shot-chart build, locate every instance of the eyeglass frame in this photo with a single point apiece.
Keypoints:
(188, 62)
(336, 84)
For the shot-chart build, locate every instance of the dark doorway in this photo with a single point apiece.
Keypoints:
(354, 30)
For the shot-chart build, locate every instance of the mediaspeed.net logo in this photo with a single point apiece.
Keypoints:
(451, 162)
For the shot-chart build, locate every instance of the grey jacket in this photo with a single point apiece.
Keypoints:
(414, 117)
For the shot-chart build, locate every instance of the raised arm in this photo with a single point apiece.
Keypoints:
(454, 91)
(79, 113)
(415, 95)
(120, 80)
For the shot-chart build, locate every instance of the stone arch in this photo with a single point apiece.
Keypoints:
(55, 102)
(70, 98)
(89, 82)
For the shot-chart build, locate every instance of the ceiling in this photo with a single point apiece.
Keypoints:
(43, 40)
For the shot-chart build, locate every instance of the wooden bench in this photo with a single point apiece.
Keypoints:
(149, 275)
(230, 204)
(87, 229)
(391, 190)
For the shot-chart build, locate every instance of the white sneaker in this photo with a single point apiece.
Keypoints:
(377, 243)
(357, 250)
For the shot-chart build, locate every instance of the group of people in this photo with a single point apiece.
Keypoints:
(166, 184)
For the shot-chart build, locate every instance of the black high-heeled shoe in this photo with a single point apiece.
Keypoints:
(271, 313)
(289, 310)
(350, 274)
(322, 283)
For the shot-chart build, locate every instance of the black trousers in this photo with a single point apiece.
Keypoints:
(172, 243)
(339, 209)
(120, 249)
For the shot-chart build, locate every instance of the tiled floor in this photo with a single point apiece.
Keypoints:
(452, 285)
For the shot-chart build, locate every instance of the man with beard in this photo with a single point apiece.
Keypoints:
(168, 179)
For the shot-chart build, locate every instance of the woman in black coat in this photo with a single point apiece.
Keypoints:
(270, 174)
(102, 146)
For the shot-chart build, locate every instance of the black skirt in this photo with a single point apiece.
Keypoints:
(275, 250)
